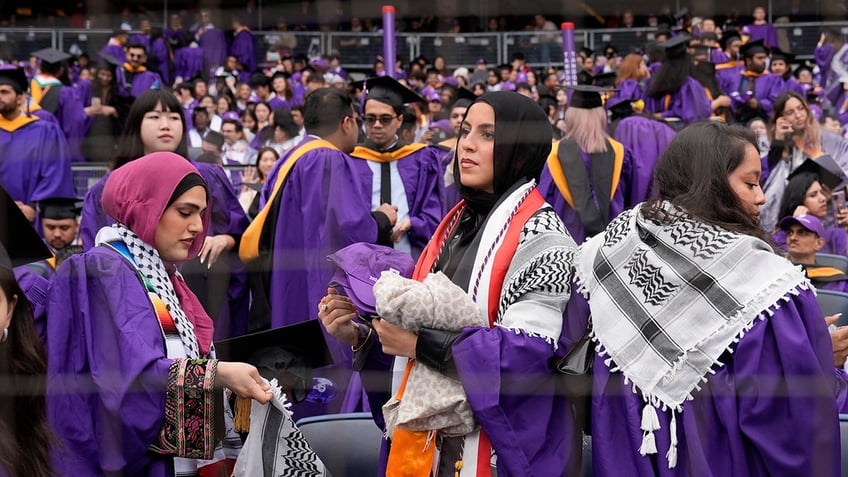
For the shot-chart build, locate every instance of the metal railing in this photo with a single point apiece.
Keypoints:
(360, 50)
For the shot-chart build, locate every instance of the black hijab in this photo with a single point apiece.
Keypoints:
(522, 144)
(523, 140)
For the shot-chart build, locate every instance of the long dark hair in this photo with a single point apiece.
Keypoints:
(130, 146)
(671, 76)
(24, 442)
(796, 192)
(693, 173)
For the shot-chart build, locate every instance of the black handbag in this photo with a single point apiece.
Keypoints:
(580, 357)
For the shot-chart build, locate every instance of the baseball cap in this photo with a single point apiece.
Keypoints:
(809, 222)
(360, 266)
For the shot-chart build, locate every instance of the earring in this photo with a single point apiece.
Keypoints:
(5, 335)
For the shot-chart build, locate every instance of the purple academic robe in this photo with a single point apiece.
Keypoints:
(717, 56)
(159, 50)
(35, 287)
(569, 216)
(71, 116)
(115, 50)
(188, 63)
(765, 32)
(690, 103)
(835, 241)
(242, 47)
(766, 88)
(770, 410)
(628, 90)
(35, 162)
(213, 43)
(647, 139)
(134, 85)
(325, 205)
(227, 217)
(107, 369)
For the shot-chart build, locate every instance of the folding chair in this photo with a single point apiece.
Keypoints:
(348, 444)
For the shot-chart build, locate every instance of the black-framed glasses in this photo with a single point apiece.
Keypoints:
(384, 119)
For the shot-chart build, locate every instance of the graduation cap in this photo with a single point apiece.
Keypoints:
(802, 67)
(387, 90)
(19, 242)
(60, 209)
(777, 55)
(585, 50)
(729, 37)
(605, 80)
(677, 46)
(827, 170)
(52, 56)
(259, 79)
(14, 77)
(701, 50)
(752, 48)
(708, 35)
(110, 60)
(294, 349)
(464, 98)
(587, 96)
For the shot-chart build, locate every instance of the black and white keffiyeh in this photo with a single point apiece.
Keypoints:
(667, 300)
(150, 265)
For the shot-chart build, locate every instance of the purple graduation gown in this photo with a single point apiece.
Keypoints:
(35, 287)
(647, 138)
(569, 216)
(770, 410)
(765, 32)
(35, 162)
(242, 47)
(140, 82)
(106, 335)
(325, 205)
(188, 63)
(213, 43)
(767, 87)
(71, 117)
(690, 103)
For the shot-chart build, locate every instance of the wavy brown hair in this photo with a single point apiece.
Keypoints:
(630, 69)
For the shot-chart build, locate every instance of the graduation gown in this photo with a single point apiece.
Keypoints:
(132, 85)
(765, 32)
(213, 43)
(743, 86)
(690, 103)
(826, 278)
(770, 410)
(35, 162)
(242, 47)
(107, 369)
(188, 63)
(618, 189)
(647, 139)
(324, 205)
(66, 105)
(421, 181)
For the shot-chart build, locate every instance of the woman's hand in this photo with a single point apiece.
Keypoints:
(214, 246)
(782, 129)
(244, 380)
(396, 341)
(336, 313)
(838, 339)
(842, 218)
(249, 175)
(800, 210)
(401, 228)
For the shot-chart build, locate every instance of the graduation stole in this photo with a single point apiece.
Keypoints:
(729, 64)
(249, 247)
(810, 150)
(17, 123)
(412, 452)
(824, 274)
(362, 152)
(749, 80)
(568, 171)
(40, 85)
(131, 69)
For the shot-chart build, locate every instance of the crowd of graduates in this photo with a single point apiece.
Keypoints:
(298, 162)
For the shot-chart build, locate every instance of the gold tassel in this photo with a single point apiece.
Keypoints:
(241, 420)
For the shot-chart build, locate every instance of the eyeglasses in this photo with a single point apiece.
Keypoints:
(384, 119)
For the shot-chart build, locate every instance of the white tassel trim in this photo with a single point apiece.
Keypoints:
(671, 455)
(649, 444)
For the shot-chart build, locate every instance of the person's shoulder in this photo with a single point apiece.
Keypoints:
(546, 226)
(99, 263)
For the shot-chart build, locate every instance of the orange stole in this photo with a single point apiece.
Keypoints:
(412, 452)
(558, 175)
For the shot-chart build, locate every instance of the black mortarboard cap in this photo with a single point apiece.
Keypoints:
(387, 90)
(110, 60)
(708, 35)
(19, 242)
(259, 79)
(778, 54)
(802, 67)
(728, 37)
(676, 47)
(605, 80)
(828, 171)
(14, 76)
(752, 48)
(59, 209)
(294, 349)
(586, 51)
(586, 96)
(52, 55)
(464, 98)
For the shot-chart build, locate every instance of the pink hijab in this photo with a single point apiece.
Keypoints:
(137, 195)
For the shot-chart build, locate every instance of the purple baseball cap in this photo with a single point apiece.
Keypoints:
(359, 267)
(809, 222)
(233, 115)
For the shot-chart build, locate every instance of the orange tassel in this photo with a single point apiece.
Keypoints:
(241, 420)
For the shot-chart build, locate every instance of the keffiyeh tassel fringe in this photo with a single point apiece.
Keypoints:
(671, 455)
(650, 423)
